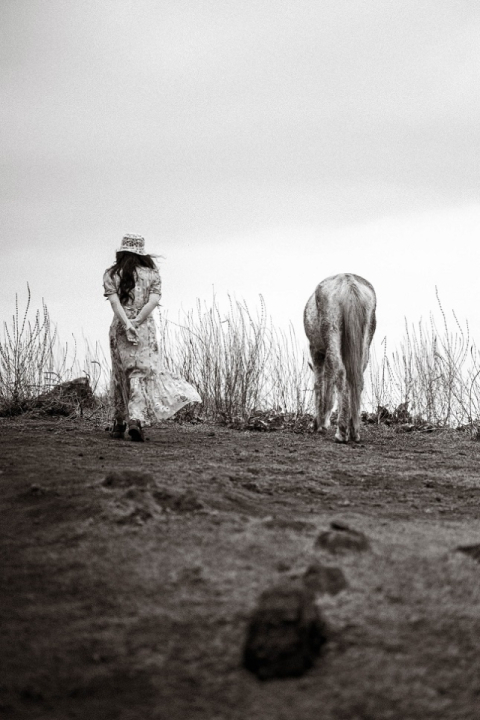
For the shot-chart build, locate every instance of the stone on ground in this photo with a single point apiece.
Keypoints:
(285, 633)
(66, 398)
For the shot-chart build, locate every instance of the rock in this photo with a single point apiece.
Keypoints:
(323, 579)
(36, 490)
(285, 633)
(342, 538)
(66, 398)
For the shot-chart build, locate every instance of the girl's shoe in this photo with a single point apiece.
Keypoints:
(118, 430)
(135, 431)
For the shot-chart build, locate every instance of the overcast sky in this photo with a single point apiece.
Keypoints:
(259, 146)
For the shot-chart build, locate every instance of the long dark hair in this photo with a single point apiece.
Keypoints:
(125, 267)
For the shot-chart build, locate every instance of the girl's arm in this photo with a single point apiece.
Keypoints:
(120, 313)
(147, 309)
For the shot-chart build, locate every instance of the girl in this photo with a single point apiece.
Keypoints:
(142, 392)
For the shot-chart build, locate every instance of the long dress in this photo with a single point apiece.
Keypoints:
(142, 390)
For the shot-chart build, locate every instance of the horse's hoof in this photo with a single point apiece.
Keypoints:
(341, 440)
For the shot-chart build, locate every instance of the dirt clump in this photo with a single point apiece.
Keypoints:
(472, 551)
(181, 502)
(142, 499)
(141, 486)
(36, 490)
(285, 633)
(324, 579)
(342, 538)
(128, 478)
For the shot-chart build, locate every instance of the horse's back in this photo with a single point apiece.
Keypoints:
(336, 288)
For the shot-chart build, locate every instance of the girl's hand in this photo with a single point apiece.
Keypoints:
(132, 335)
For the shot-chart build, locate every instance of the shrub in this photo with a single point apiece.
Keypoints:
(33, 362)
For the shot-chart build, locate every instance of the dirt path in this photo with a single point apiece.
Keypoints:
(128, 596)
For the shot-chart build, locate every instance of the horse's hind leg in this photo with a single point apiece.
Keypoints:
(367, 339)
(355, 395)
(329, 390)
(343, 396)
(343, 422)
(355, 427)
(323, 391)
(318, 367)
(355, 403)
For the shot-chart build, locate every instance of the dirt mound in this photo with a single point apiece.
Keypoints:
(128, 478)
(324, 579)
(66, 398)
(180, 502)
(143, 499)
(285, 633)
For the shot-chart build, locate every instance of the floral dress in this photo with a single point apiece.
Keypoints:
(142, 390)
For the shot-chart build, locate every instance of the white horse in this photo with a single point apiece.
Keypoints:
(339, 322)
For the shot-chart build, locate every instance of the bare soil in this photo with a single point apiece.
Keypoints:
(129, 572)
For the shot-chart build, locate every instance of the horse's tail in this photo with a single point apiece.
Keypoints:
(354, 327)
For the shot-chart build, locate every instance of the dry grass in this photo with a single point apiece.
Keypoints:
(245, 368)
(33, 361)
(239, 362)
(434, 373)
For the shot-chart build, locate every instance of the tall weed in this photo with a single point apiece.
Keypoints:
(435, 372)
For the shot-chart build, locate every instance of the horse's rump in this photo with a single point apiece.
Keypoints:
(355, 302)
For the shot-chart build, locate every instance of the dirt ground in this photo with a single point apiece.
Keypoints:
(128, 596)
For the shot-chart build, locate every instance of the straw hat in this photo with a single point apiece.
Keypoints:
(133, 243)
